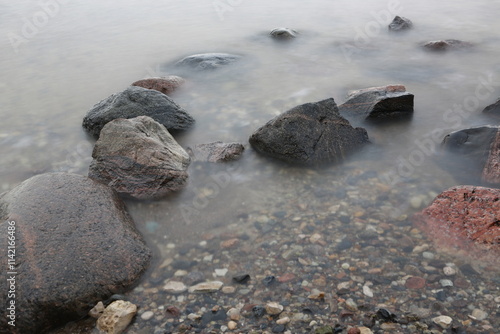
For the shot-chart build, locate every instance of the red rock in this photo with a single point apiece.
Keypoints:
(354, 330)
(491, 170)
(229, 243)
(173, 312)
(464, 217)
(415, 282)
(461, 283)
(165, 85)
(288, 277)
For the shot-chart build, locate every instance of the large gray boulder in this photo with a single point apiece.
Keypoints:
(139, 158)
(310, 134)
(493, 109)
(385, 102)
(474, 154)
(75, 244)
(207, 61)
(137, 101)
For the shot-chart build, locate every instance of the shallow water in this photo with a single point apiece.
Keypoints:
(58, 60)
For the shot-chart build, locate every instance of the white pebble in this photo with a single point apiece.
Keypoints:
(221, 272)
(443, 321)
(147, 315)
(428, 255)
(479, 314)
(345, 265)
(449, 271)
(445, 282)
(367, 291)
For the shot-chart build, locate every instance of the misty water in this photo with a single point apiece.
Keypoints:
(61, 58)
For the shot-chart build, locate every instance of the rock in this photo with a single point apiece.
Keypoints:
(493, 109)
(231, 325)
(447, 44)
(283, 321)
(449, 271)
(166, 85)
(139, 158)
(234, 314)
(283, 33)
(463, 217)
(478, 152)
(443, 321)
(116, 317)
(479, 314)
(97, 310)
(400, 23)
(415, 282)
(207, 61)
(133, 102)
(174, 287)
(384, 102)
(367, 291)
(354, 330)
(206, 287)
(274, 308)
(216, 152)
(310, 134)
(148, 315)
(75, 245)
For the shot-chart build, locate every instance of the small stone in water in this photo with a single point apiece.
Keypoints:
(445, 282)
(241, 279)
(428, 255)
(416, 202)
(385, 314)
(147, 315)
(443, 321)
(221, 272)
(351, 305)
(268, 280)
(258, 311)
(232, 325)
(449, 271)
(345, 266)
(278, 328)
(415, 282)
(175, 287)
(479, 314)
(274, 308)
(367, 291)
(283, 321)
(206, 287)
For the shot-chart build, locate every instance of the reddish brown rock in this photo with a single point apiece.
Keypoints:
(415, 282)
(463, 217)
(75, 245)
(491, 170)
(165, 85)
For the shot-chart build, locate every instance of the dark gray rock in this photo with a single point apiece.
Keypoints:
(473, 154)
(216, 151)
(447, 44)
(133, 102)
(400, 23)
(139, 158)
(310, 134)
(385, 102)
(75, 245)
(493, 109)
(208, 61)
(283, 33)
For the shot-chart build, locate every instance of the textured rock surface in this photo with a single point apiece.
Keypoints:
(208, 61)
(447, 44)
(139, 158)
(463, 217)
(473, 154)
(116, 317)
(75, 245)
(493, 109)
(165, 85)
(133, 102)
(283, 33)
(390, 101)
(309, 134)
(216, 152)
(400, 23)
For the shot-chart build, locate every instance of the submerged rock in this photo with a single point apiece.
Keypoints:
(474, 153)
(447, 44)
(392, 101)
(309, 134)
(75, 245)
(493, 109)
(463, 217)
(133, 102)
(116, 317)
(216, 152)
(400, 23)
(138, 157)
(165, 85)
(283, 33)
(208, 61)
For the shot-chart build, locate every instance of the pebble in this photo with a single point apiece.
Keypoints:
(445, 282)
(365, 330)
(367, 291)
(443, 321)
(278, 328)
(231, 243)
(175, 287)
(345, 266)
(428, 255)
(479, 314)
(274, 308)
(283, 321)
(354, 330)
(351, 305)
(416, 202)
(449, 271)
(206, 287)
(415, 282)
(221, 272)
(228, 289)
(232, 325)
(234, 314)
(147, 315)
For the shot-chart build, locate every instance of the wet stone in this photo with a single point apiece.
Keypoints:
(241, 279)
(278, 328)
(268, 280)
(415, 283)
(258, 311)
